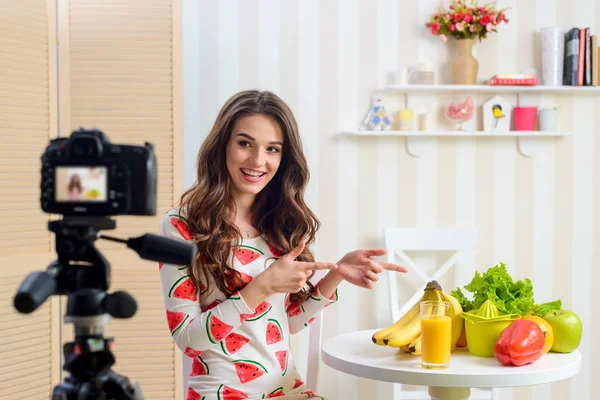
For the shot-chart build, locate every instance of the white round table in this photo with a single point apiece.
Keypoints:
(355, 354)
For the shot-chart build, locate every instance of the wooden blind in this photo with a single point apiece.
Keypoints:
(24, 124)
(121, 82)
(29, 360)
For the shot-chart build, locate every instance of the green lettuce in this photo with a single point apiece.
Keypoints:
(510, 297)
(465, 303)
(542, 309)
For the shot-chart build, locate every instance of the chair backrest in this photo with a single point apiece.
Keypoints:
(187, 370)
(399, 240)
(314, 352)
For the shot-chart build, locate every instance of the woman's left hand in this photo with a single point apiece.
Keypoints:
(358, 268)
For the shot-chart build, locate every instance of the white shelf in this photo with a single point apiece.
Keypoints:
(417, 142)
(458, 133)
(484, 88)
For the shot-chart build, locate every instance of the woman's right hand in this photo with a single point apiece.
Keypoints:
(286, 275)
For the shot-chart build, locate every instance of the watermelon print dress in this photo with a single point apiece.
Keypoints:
(237, 352)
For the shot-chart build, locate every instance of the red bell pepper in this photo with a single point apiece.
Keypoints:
(522, 342)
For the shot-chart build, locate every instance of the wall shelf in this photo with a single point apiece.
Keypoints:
(529, 142)
(417, 141)
(581, 90)
(456, 133)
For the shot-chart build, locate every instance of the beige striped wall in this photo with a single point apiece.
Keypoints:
(325, 58)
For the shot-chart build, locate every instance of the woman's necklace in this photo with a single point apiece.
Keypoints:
(248, 232)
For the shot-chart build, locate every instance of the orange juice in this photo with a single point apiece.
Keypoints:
(436, 336)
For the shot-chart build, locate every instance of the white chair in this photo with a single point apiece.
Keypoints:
(314, 352)
(187, 370)
(397, 242)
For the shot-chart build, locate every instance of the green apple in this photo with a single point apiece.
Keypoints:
(567, 329)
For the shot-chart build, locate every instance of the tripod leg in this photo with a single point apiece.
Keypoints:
(118, 387)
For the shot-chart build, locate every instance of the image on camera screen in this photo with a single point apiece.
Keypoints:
(81, 184)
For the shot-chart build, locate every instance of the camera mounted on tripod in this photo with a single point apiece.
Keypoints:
(87, 179)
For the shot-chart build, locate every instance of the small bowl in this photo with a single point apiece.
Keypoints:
(482, 336)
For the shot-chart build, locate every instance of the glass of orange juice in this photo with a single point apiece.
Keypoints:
(436, 334)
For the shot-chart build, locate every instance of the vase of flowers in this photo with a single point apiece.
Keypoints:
(465, 21)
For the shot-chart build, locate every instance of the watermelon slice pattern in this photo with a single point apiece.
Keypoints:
(199, 367)
(211, 305)
(248, 370)
(181, 224)
(274, 333)
(310, 320)
(315, 293)
(232, 285)
(260, 311)
(247, 254)
(184, 289)
(228, 393)
(216, 329)
(282, 357)
(233, 342)
(192, 353)
(275, 393)
(176, 319)
(273, 250)
(193, 395)
(294, 309)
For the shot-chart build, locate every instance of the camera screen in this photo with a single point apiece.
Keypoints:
(81, 184)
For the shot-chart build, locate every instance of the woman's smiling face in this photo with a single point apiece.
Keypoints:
(253, 153)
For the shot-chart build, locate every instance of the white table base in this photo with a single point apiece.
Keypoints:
(449, 393)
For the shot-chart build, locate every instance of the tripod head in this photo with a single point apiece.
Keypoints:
(82, 273)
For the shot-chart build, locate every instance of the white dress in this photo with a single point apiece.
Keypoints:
(237, 352)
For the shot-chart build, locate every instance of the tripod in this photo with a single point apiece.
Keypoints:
(83, 274)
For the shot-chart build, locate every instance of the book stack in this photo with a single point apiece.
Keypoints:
(513, 79)
(581, 58)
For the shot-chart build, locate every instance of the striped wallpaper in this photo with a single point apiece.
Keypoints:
(325, 58)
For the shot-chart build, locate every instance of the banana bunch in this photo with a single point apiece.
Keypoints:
(405, 333)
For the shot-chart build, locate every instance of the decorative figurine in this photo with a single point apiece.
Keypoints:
(497, 114)
(377, 118)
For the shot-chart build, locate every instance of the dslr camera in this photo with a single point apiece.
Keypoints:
(85, 174)
(88, 179)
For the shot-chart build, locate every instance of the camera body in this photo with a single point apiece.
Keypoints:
(87, 175)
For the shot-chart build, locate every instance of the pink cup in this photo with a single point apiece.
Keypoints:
(524, 118)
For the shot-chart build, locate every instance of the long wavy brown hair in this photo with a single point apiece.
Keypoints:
(279, 212)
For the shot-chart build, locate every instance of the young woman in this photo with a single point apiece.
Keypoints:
(234, 309)
(74, 189)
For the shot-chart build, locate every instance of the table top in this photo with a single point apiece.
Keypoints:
(355, 354)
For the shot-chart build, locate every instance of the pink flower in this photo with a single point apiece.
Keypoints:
(436, 26)
(459, 26)
(452, 27)
(489, 27)
(473, 28)
(468, 18)
(443, 38)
